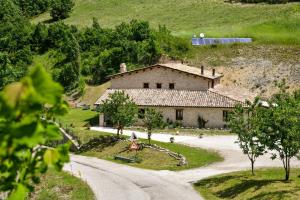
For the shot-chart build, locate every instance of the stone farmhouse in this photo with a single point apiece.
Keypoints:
(182, 93)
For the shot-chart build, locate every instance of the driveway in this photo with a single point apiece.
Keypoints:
(111, 181)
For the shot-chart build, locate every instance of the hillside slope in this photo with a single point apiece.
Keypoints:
(274, 55)
(266, 23)
(252, 66)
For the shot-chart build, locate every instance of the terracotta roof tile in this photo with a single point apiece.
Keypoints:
(174, 98)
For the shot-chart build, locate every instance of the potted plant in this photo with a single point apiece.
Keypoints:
(172, 139)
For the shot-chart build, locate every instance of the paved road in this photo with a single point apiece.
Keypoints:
(111, 181)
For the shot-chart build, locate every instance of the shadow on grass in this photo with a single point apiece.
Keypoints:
(99, 143)
(48, 21)
(94, 121)
(239, 187)
(214, 182)
(280, 194)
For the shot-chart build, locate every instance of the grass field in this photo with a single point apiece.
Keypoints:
(265, 185)
(92, 93)
(61, 186)
(80, 120)
(152, 159)
(279, 23)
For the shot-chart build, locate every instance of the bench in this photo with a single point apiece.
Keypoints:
(129, 160)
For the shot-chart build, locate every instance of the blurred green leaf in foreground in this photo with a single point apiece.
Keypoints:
(26, 110)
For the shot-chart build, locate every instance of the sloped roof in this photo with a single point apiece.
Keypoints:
(178, 67)
(237, 93)
(174, 98)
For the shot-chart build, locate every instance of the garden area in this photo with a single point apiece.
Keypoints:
(150, 158)
(106, 146)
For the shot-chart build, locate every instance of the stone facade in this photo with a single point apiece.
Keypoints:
(163, 76)
(153, 87)
(214, 116)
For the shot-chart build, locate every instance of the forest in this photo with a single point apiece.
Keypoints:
(78, 56)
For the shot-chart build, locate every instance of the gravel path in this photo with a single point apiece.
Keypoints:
(111, 181)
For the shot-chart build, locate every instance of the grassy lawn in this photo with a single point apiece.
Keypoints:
(278, 23)
(265, 185)
(92, 93)
(61, 186)
(79, 117)
(80, 120)
(196, 157)
(152, 159)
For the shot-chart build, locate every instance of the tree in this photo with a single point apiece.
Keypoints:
(32, 7)
(39, 38)
(15, 52)
(7, 71)
(152, 119)
(67, 53)
(243, 123)
(280, 126)
(120, 109)
(61, 9)
(25, 108)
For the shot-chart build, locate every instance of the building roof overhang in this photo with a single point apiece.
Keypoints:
(176, 67)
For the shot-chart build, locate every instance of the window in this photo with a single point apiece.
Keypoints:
(213, 84)
(179, 114)
(141, 113)
(158, 85)
(146, 85)
(226, 114)
(171, 86)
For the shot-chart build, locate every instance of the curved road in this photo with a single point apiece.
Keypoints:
(112, 181)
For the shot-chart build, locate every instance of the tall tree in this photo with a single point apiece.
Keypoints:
(280, 126)
(152, 119)
(32, 7)
(61, 9)
(15, 33)
(62, 39)
(243, 123)
(120, 109)
(25, 108)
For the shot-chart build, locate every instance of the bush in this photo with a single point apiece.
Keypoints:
(99, 143)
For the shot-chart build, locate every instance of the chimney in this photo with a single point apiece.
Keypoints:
(202, 69)
(214, 72)
(123, 68)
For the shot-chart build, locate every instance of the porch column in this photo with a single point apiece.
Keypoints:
(101, 120)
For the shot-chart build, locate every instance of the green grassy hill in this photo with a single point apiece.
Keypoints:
(266, 23)
(275, 28)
